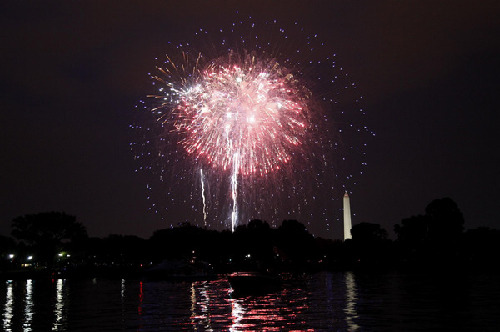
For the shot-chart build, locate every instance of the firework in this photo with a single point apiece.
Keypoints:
(257, 127)
(239, 111)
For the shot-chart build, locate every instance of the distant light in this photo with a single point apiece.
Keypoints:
(30, 258)
(11, 256)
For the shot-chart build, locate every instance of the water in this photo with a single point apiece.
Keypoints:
(340, 301)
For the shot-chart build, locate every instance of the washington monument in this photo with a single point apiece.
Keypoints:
(347, 218)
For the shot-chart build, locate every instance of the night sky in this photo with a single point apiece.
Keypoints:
(71, 73)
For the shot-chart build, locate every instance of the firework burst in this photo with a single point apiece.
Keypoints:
(245, 130)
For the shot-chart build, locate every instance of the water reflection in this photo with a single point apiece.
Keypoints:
(284, 310)
(28, 306)
(123, 290)
(8, 308)
(320, 303)
(200, 305)
(141, 295)
(237, 314)
(341, 301)
(59, 312)
(351, 301)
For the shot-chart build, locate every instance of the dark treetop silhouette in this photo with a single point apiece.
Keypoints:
(435, 239)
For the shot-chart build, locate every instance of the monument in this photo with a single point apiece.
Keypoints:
(347, 217)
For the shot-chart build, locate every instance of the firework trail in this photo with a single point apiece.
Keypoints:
(202, 179)
(248, 112)
(234, 193)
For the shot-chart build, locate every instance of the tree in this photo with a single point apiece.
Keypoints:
(446, 222)
(45, 232)
(295, 243)
(253, 239)
(370, 244)
(434, 236)
(7, 245)
(413, 231)
(368, 233)
(481, 248)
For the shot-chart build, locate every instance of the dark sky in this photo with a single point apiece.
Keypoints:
(72, 71)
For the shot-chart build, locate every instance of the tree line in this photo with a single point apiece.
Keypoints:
(55, 241)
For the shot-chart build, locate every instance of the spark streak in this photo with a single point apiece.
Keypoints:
(234, 194)
(202, 178)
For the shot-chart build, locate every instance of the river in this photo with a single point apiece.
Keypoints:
(333, 301)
